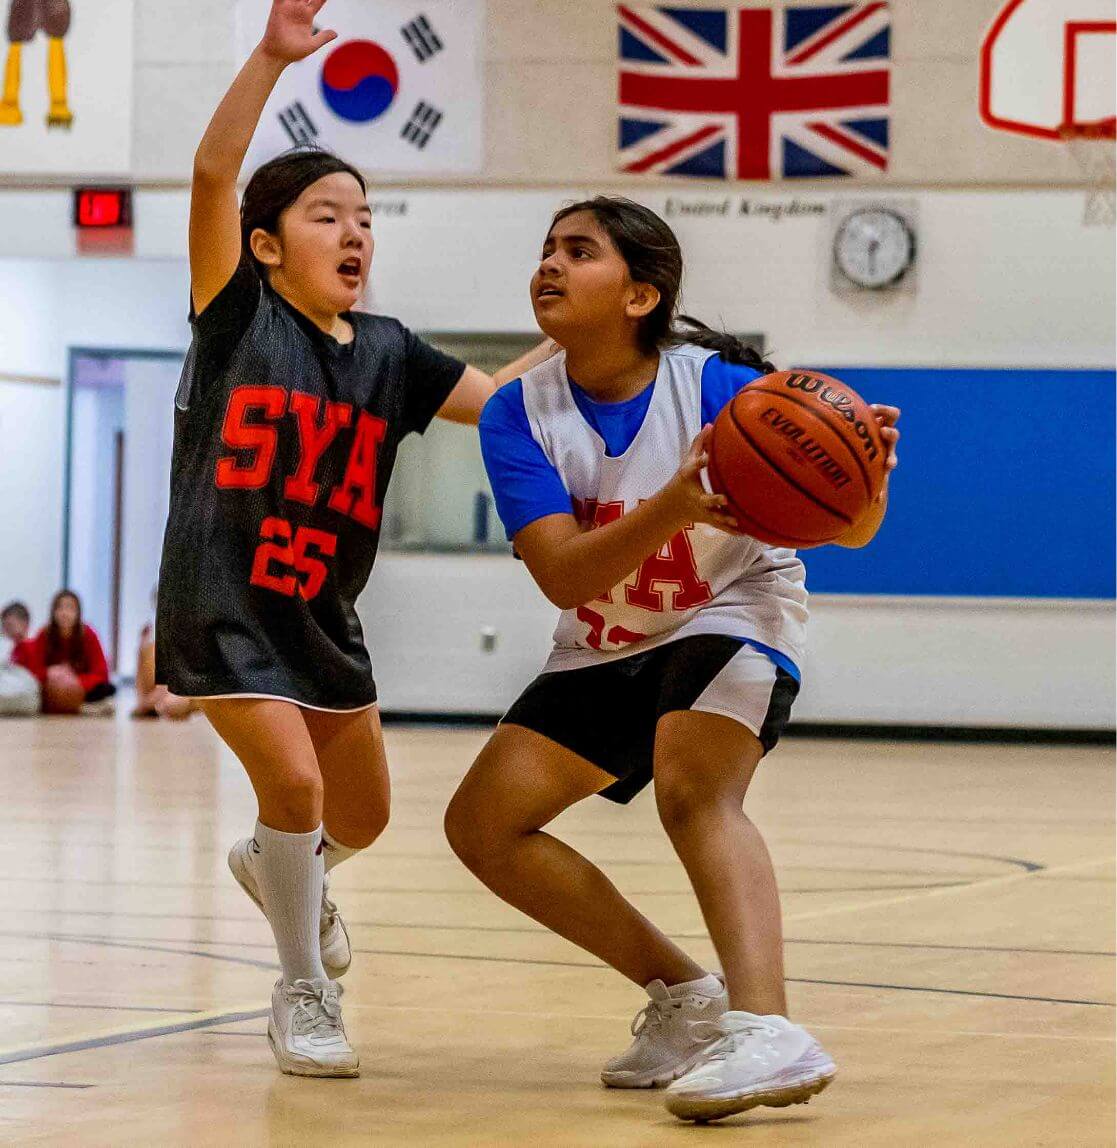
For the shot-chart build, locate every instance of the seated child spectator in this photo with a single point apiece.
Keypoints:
(67, 658)
(19, 689)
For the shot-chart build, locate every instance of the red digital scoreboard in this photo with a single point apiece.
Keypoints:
(97, 208)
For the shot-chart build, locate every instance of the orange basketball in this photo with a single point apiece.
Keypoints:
(799, 457)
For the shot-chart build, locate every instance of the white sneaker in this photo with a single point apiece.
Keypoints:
(758, 1060)
(332, 935)
(337, 956)
(667, 1043)
(306, 1032)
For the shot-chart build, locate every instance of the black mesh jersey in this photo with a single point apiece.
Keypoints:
(284, 444)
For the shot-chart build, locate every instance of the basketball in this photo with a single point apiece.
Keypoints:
(799, 456)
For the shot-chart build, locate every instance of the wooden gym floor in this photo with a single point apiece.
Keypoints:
(949, 914)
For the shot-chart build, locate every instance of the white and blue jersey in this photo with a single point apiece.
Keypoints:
(551, 449)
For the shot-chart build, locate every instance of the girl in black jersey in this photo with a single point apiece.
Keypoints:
(287, 422)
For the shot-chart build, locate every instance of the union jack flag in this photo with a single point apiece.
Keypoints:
(791, 91)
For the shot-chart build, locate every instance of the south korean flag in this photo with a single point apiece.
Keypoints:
(399, 90)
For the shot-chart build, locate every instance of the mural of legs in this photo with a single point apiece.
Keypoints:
(59, 115)
(10, 115)
(26, 18)
(54, 19)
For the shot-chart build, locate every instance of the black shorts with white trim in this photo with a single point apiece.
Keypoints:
(608, 714)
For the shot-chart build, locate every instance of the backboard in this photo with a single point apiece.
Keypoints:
(1047, 63)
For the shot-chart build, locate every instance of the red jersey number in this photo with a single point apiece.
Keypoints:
(283, 556)
(618, 636)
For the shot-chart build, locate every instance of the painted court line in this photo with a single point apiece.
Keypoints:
(918, 1032)
(96, 1007)
(26, 1052)
(40, 1084)
(945, 891)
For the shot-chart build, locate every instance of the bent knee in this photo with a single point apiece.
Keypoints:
(684, 801)
(478, 841)
(296, 796)
(459, 825)
(365, 829)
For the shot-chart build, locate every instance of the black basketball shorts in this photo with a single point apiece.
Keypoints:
(607, 714)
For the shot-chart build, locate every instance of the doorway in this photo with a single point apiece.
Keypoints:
(119, 435)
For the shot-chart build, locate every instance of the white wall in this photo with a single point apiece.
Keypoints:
(1005, 278)
(47, 306)
(32, 420)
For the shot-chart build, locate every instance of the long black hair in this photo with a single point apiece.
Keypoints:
(62, 649)
(279, 182)
(651, 251)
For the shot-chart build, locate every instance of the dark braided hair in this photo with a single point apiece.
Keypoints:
(651, 251)
(278, 183)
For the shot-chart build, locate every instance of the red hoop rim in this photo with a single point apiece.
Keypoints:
(1093, 130)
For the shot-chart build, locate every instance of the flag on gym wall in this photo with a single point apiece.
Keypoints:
(399, 90)
(66, 100)
(779, 92)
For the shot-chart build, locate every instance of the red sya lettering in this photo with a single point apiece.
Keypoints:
(255, 437)
(316, 432)
(250, 430)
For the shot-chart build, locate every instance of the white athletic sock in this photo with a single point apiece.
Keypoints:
(334, 852)
(289, 873)
(707, 986)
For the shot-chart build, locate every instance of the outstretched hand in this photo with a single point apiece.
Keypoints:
(291, 34)
(887, 418)
(687, 494)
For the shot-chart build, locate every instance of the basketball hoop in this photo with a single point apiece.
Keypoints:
(1092, 146)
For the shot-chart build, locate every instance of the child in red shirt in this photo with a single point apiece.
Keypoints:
(67, 658)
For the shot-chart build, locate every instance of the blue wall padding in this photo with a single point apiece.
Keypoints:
(1005, 487)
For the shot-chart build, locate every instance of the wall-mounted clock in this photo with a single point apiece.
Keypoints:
(874, 247)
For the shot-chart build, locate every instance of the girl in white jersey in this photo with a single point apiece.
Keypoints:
(676, 660)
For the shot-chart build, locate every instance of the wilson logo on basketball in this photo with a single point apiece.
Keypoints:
(840, 401)
(798, 457)
(807, 447)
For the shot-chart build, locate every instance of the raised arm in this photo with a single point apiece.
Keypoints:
(215, 240)
(573, 566)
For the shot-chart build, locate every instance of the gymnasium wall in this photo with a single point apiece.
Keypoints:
(1007, 280)
(550, 93)
(459, 260)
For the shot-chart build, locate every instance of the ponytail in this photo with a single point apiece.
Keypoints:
(729, 347)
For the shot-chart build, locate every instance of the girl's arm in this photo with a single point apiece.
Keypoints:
(475, 388)
(98, 671)
(862, 532)
(573, 566)
(215, 241)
